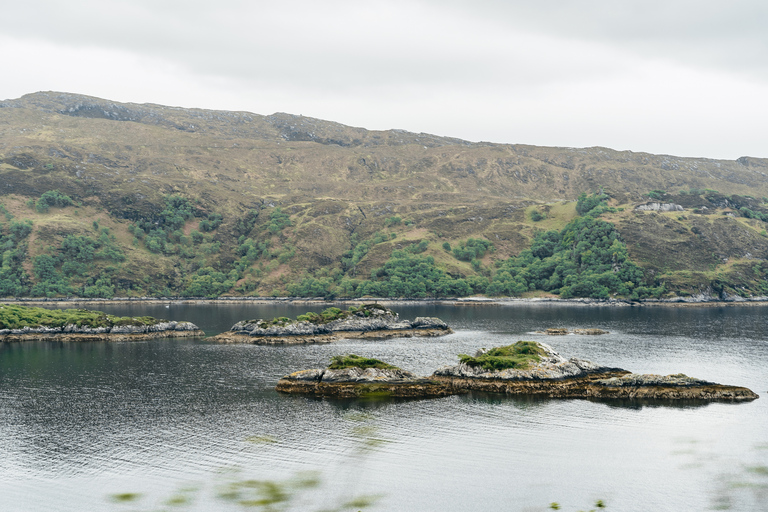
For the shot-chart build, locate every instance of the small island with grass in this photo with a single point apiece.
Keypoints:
(22, 323)
(353, 376)
(533, 368)
(365, 321)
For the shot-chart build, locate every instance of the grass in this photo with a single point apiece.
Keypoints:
(327, 315)
(17, 317)
(519, 356)
(355, 361)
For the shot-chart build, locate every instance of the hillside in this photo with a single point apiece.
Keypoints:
(168, 201)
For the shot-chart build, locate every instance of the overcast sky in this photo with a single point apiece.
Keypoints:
(687, 78)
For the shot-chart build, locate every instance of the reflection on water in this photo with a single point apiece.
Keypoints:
(151, 417)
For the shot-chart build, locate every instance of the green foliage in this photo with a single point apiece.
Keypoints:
(312, 287)
(14, 280)
(473, 248)
(418, 248)
(244, 225)
(16, 317)
(359, 250)
(657, 194)
(213, 221)
(750, 214)
(586, 203)
(355, 361)
(393, 221)
(173, 217)
(50, 282)
(278, 221)
(408, 275)
(536, 215)
(20, 230)
(447, 246)
(4, 211)
(208, 282)
(52, 198)
(585, 259)
(520, 355)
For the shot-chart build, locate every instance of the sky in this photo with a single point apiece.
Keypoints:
(679, 77)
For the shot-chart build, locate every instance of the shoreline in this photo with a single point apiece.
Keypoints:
(105, 336)
(463, 301)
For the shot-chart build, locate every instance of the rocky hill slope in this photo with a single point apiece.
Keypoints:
(128, 199)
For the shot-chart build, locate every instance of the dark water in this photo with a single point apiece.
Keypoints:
(174, 418)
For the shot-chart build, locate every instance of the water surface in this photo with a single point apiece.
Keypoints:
(82, 421)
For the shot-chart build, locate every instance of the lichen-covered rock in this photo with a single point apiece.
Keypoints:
(636, 379)
(362, 382)
(370, 322)
(73, 332)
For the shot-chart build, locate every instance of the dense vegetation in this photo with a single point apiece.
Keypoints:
(354, 361)
(17, 317)
(586, 259)
(519, 356)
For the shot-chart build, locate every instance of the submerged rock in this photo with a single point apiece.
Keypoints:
(547, 373)
(560, 331)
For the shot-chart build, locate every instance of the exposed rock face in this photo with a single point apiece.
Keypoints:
(557, 377)
(358, 382)
(661, 207)
(382, 323)
(114, 333)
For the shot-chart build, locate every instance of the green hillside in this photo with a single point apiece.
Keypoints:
(104, 199)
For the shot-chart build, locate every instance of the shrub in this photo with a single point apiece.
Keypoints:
(393, 221)
(473, 248)
(587, 203)
(52, 198)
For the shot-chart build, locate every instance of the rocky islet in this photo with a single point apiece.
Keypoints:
(366, 321)
(543, 372)
(21, 323)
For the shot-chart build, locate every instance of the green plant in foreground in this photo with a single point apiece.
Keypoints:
(599, 504)
(355, 361)
(520, 355)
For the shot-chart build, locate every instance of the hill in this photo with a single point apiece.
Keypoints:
(103, 198)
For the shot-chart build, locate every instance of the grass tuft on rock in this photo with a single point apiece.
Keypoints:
(519, 356)
(355, 361)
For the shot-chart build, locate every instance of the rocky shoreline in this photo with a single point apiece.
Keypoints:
(361, 383)
(532, 368)
(554, 376)
(369, 321)
(697, 301)
(114, 333)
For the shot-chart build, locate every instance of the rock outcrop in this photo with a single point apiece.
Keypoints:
(363, 382)
(370, 321)
(660, 207)
(557, 377)
(114, 333)
(560, 331)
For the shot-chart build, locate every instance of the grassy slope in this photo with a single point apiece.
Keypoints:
(337, 181)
